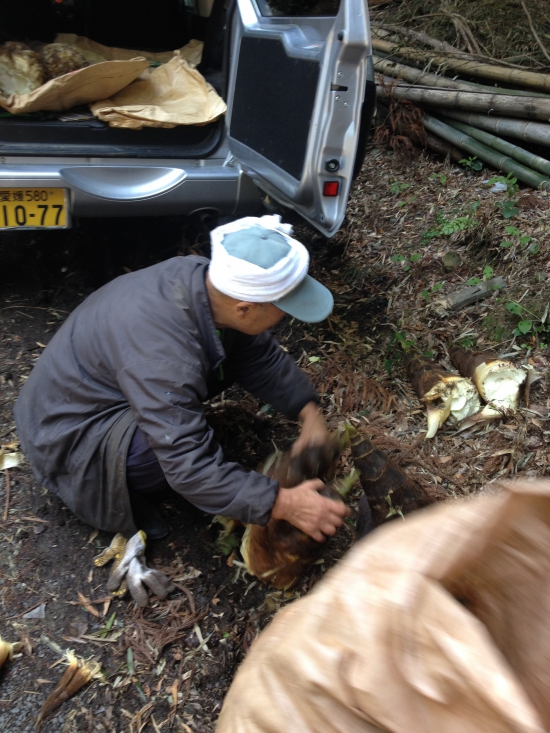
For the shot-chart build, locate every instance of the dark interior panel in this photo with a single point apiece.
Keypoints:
(273, 102)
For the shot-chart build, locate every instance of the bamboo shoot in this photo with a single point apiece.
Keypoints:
(389, 491)
(498, 381)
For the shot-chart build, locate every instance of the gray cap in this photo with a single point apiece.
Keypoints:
(309, 301)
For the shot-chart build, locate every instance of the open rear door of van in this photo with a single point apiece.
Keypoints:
(300, 98)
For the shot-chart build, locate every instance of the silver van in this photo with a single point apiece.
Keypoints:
(298, 80)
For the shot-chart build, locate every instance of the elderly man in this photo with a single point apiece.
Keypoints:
(114, 408)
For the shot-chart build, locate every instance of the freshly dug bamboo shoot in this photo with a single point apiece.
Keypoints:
(389, 492)
(279, 553)
(444, 394)
(77, 674)
(7, 650)
(498, 381)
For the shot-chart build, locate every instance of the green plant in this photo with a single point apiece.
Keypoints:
(488, 273)
(399, 338)
(534, 324)
(473, 163)
(427, 294)
(518, 238)
(402, 258)
(466, 219)
(467, 342)
(398, 188)
(508, 207)
(441, 178)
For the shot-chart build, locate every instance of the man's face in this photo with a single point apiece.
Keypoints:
(255, 318)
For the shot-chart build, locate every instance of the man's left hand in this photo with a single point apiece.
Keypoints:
(314, 431)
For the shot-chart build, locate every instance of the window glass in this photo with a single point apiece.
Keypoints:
(298, 8)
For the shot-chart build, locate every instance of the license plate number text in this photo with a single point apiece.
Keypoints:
(33, 208)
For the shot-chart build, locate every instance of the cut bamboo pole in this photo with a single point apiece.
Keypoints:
(388, 33)
(531, 132)
(487, 155)
(418, 36)
(535, 162)
(500, 104)
(418, 76)
(442, 147)
(469, 68)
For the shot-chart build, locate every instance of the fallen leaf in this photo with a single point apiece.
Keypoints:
(85, 602)
(36, 612)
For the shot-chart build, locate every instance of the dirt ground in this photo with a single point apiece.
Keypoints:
(169, 666)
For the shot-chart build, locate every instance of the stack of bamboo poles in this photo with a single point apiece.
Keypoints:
(471, 119)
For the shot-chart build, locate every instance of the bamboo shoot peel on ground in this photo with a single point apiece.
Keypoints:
(445, 394)
(498, 381)
(77, 674)
(7, 650)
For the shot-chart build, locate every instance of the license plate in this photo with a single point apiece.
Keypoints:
(33, 208)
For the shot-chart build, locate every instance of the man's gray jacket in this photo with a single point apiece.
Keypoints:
(143, 350)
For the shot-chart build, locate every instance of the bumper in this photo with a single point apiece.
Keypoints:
(98, 188)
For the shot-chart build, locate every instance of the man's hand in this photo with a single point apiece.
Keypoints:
(306, 509)
(314, 431)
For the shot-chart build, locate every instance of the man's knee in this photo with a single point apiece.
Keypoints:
(143, 471)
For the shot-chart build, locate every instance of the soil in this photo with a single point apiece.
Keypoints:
(168, 667)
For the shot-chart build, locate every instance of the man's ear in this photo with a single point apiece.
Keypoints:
(243, 309)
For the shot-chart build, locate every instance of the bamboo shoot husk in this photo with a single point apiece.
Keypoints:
(8, 649)
(531, 132)
(534, 108)
(443, 392)
(535, 162)
(419, 76)
(504, 75)
(487, 155)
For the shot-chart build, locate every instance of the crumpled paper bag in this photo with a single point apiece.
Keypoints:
(95, 52)
(439, 623)
(79, 87)
(172, 94)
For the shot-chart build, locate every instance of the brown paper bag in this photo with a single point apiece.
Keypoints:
(436, 624)
(79, 87)
(95, 52)
(172, 94)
